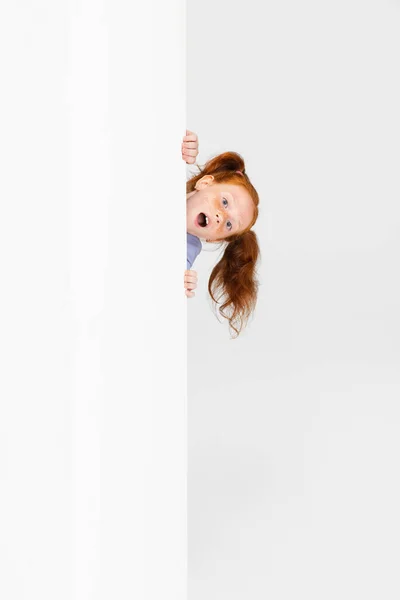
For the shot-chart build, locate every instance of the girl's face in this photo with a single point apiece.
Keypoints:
(215, 211)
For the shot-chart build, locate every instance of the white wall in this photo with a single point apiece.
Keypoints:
(294, 428)
(93, 326)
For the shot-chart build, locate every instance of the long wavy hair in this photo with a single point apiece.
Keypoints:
(233, 282)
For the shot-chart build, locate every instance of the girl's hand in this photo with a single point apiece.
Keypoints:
(190, 283)
(190, 147)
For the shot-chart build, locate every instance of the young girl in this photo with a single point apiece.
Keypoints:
(222, 206)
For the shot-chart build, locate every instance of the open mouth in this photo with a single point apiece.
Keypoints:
(202, 220)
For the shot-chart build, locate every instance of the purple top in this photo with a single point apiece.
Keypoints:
(194, 247)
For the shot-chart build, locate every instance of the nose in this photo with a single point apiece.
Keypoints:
(219, 217)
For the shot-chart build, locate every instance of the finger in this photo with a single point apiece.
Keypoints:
(189, 145)
(191, 272)
(189, 294)
(189, 160)
(188, 132)
(190, 138)
(190, 278)
(190, 286)
(189, 152)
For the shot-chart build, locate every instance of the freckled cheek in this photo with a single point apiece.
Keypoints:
(211, 205)
(215, 206)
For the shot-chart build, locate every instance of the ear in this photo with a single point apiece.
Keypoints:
(204, 182)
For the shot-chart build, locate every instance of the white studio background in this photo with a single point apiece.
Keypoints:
(93, 326)
(294, 428)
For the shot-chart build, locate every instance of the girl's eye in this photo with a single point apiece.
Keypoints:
(229, 225)
(223, 202)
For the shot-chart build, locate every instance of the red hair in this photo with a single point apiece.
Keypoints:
(233, 279)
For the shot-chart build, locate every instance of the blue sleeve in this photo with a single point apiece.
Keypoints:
(194, 248)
